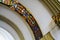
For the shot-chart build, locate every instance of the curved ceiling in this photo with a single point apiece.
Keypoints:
(39, 12)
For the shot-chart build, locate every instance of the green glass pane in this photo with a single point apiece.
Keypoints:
(0, 0)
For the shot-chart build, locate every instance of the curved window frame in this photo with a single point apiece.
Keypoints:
(14, 27)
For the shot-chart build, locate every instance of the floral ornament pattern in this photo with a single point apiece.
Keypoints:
(20, 9)
(56, 18)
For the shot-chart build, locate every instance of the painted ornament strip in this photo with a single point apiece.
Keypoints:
(20, 9)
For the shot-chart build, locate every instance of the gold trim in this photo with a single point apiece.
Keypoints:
(33, 38)
(54, 7)
(22, 11)
(48, 36)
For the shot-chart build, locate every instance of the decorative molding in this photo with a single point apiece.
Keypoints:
(47, 36)
(22, 11)
(54, 7)
(13, 26)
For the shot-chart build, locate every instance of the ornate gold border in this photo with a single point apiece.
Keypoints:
(22, 11)
(31, 32)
